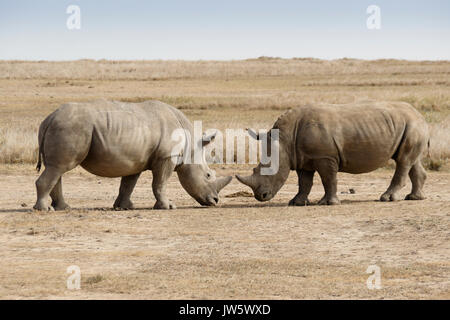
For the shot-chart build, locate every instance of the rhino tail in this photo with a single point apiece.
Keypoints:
(428, 151)
(39, 163)
(40, 150)
(42, 131)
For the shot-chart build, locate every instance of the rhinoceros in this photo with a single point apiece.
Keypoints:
(115, 139)
(354, 138)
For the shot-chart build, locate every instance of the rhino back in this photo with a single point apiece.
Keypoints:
(124, 137)
(360, 136)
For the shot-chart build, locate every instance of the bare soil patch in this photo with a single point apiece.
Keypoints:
(241, 249)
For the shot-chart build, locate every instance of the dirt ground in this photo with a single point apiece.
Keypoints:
(242, 249)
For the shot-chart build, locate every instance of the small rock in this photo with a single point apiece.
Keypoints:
(352, 191)
(31, 232)
(23, 204)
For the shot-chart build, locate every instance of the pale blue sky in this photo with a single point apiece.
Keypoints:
(225, 29)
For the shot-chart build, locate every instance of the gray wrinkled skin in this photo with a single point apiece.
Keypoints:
(353, 138)
(115, 139)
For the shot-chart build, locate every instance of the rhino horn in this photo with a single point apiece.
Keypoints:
(222, 182)
(248, 180)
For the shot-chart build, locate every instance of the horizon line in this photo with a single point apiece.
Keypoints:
(260, 58)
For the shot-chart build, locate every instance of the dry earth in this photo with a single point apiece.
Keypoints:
(241, 249)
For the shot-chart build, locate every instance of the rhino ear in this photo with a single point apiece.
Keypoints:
(206, 139)
(253, 134)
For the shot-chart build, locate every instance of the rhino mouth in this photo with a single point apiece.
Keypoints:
(263, 196)
(210, 201)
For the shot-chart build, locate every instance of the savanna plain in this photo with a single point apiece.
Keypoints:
(241, 249)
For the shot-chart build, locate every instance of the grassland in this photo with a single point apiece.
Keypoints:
(221, 93)
(240, 249)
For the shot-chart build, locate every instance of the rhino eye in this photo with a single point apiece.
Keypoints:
(208, 175)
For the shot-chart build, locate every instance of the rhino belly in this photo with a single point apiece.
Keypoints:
(119, 155)
(361, 156)
(110, 165)
(367, 141)
(367, 161)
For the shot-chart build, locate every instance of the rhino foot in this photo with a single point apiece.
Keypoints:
(42, 207)
(329, 201)
(417, 196)
(123, 205)
(164, 205)
(299, 201)
(60, 207)
(389, 197)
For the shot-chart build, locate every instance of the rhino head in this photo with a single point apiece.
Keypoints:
(200, 181)
(266, 185)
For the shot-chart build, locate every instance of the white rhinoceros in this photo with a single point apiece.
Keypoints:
(115, 139)
(354, 138)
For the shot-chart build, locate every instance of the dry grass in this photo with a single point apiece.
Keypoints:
(440, 141)
(386, 71)
(224, 94)
(240, 249)
(18, 143)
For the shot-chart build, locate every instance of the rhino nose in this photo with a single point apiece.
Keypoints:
(211, 200)
(263, 196)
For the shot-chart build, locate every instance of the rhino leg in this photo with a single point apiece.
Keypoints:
(397, 183)
(127, 185)
(418, 175)
(328, 169)
(161, 174)
(44, 185)
(56, 194)
(305, 182)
